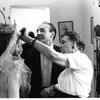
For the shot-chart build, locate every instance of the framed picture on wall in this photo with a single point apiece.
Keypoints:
(92, 29)
(64, 26)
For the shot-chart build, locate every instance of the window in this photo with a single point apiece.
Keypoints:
(30, 16)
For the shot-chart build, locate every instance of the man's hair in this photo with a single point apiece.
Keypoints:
(52, 28)
(74, 37)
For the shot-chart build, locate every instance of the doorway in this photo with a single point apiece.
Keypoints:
(29, 17)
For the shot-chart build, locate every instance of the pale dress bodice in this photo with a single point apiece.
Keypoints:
(5, 81)
(3, 90)
(18, 67)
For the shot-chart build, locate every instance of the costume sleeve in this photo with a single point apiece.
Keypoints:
(14, 67)
(14, 72)
(25, 75)
(73, 61)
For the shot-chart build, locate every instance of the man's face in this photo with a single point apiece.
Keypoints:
(43, 33)
(66, 45)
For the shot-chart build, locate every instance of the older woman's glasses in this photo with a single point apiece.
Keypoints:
(41, 30)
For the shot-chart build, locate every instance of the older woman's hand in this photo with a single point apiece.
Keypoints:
(47, 92)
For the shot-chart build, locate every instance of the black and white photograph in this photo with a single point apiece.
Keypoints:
(64, 26)
(50, 49)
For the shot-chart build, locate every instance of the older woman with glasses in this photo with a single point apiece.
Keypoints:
(75, 80)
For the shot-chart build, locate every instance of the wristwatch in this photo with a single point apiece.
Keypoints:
(53, 87)
(33, 41)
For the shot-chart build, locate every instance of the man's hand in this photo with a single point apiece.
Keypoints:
(23, 31)
(47, 92)
(26, 38)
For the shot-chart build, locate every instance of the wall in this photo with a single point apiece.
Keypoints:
(87, 12)
(96, 9)
(78, 11)
(61, 10)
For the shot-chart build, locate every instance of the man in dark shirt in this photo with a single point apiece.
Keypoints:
(42, 75)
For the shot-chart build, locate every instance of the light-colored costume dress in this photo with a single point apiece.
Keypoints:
(10, 66)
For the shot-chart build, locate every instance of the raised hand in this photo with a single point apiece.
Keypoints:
(47, 92)
(23, 31)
